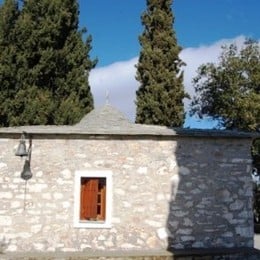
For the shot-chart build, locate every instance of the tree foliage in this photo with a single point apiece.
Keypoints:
(159, 99)
(51, 65)
(230, 90)
(9, 13)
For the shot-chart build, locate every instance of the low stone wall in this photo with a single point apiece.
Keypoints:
(168, 192)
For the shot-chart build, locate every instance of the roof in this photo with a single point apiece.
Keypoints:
(102, 118)
(107, 120)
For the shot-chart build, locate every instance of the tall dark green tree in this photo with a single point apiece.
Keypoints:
(9, 13)
(53, 65)
(159, 99)
(230, 90)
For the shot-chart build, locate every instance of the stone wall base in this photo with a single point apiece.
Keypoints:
(187, 254)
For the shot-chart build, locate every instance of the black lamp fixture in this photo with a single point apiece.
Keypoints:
(22, 151)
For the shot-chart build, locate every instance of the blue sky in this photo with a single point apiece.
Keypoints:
(201, 26)
(115, 24)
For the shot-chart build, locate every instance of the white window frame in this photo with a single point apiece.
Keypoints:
(77, 185)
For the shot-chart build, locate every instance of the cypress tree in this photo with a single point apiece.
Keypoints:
(160, 96)
(53, 65)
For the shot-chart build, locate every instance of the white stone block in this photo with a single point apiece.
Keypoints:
(50, 249)
(60, 181)
(160, 196)
(57, 195)
(187, 222)
(69, 249)
(127, 166)
(3, 165)
(101, 238)
(66, 174)
(184, 231)
(108, 243)
(37, 187)
(139, 209)
(140, 241)
(184, 170)
(85, 247)
(39, 246)
(11, 248)
(62, 217)
(227, 234)
(5, 221)
(15, 204)
(179, 213)
(17, 180)
(142, 170)
(243, 231)
(133, 188)
(151, 242)
(163, 171)
(36, 228)
(237, 205)
(187, 238)
(24, 235)
(66, 205)
(46, 196)
(175, 179)
(120, 192)
(6, 195)
(127, 246)
(87, 165)
(153, 223)
(116, 220)
(172, 163)
(162, 233)
(198, 244)
(240, 160)
(39, 174)
(127, 204)
(80, 155)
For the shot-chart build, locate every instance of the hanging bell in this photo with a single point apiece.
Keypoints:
(21, 150)
(26, 174)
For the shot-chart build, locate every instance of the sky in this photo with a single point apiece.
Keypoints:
(201, 26)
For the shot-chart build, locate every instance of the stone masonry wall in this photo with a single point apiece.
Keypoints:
(178, 193)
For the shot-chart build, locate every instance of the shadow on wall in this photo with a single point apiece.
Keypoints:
(210, 206)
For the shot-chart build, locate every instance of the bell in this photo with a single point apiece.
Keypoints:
(21, 150)
(26, 174)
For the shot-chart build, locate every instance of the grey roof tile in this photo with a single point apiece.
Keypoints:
(107, 120)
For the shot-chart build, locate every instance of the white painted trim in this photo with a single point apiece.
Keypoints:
(93, 224)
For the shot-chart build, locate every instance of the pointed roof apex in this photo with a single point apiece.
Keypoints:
(104, 117)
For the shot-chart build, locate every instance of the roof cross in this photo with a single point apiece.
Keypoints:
(107, 97)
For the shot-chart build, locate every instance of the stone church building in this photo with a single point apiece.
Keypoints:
(108, 184)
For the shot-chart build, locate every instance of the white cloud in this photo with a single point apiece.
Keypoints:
(194, 57)
(118, 79)
(118, 82)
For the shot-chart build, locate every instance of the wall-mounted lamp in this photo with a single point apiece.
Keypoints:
(21, 151)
